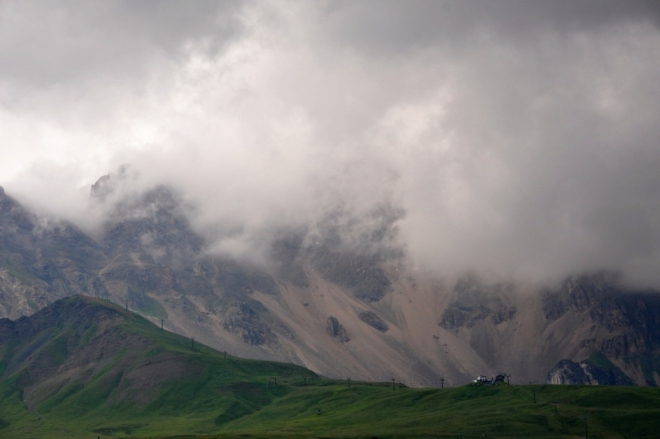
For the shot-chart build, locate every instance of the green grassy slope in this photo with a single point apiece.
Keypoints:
(204, 385)
(201, 393)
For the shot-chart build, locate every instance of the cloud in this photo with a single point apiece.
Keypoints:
(70, 42)
(519, 138)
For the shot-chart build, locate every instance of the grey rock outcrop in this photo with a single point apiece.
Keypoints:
(475, 302)
(374, 321)
(337, 330)
(585, 373)
(242, 319)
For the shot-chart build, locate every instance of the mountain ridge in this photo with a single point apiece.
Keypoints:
(422, 328)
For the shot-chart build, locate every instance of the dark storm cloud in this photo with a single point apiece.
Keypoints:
(518, 138)
(392, 26)
(49, 43)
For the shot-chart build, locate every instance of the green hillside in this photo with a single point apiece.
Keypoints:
(151, 382)
(87, 368)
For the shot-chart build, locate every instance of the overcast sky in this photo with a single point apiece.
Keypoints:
(520, 138)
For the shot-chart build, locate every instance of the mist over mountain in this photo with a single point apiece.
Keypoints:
(340, 307)
(422, 189)
(515, 139)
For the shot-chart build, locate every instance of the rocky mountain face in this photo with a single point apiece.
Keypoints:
(341, 310)
(587, 373)
(43, 260)
(625, 325)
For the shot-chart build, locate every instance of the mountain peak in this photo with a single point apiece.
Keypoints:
(107, 184)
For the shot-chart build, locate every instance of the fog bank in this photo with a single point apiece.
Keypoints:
(517, 138)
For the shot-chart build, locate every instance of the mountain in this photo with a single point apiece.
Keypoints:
(342, 309)
(42, 260)
(595, 371)
(86, 367)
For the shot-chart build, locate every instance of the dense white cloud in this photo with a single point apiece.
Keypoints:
(519, 138)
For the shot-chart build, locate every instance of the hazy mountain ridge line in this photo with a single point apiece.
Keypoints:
(220, 302)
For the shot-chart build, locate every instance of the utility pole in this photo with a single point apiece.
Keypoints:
(555, 404)
(349, 382)
(393, 388)
(127, 304)
(586, 430)
(442, 383)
